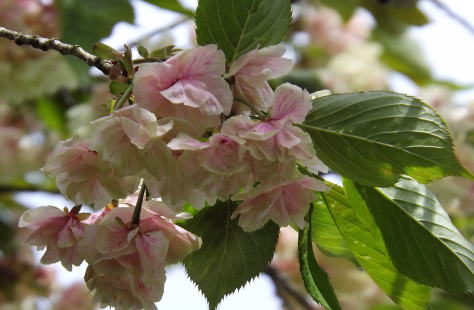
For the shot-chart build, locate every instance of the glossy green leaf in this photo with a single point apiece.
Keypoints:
(325, 233)
(374, 137)
(314, 277)
(229, 257)
(172, 5)
(421, 240)
(365, 240)
(239, 26)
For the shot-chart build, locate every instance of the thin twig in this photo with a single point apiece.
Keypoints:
(46, 44)
(461, 20)
(156, 32)
(282, 284)
(138, 207)
(12, 189)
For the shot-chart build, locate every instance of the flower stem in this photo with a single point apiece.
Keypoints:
(250, 106)
(124, 97)
(138, 207)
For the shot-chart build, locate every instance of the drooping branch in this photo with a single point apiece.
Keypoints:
(46, 44)
(284, 289)
(458, 18)
(29, 188)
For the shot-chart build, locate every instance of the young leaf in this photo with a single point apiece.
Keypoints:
(229, 257)
(239, 26)
(164, 52)
(374, 137)
(314, 277)
(420, 238)
(142, 51)
(118, 88)
(325, 233)
(104, 51)
(365, 240)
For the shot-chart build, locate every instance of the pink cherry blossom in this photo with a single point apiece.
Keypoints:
(285, 203)
(188, 86)
(120, 136)
(276, 138)
(127, 269)
(59, 231)
(218, 167)
(83, 177)
(252, 70)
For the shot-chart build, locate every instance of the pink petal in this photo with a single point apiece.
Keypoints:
(290, 102)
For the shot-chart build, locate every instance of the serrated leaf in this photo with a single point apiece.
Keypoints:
(365, 240)
(325, 233)
(374, 137)
(229, 257)
(314, 277)
(239, 26)
(172, 5)
(420, 237)
(104, 51)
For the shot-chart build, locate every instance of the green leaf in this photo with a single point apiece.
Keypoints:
(314, 277)
(229, 257)
(325, 233)
(142, 51)
(52, 114)
(164, 52)
(104, 51)
(421, 240)
(345, 8)
(374, 137)
(239, 26)
(118, 88)
(365, 240)
(172, 5)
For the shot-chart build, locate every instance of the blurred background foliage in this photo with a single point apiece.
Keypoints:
(344, 46)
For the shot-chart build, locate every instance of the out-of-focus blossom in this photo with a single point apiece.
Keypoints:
(285, 203)
(74, 297)
(327, 29)
(357, 69)
(59, 231)
(187, 86)
(83, 177)
(251, 72)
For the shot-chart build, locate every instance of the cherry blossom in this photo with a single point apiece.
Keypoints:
(127, 269)
(120, 136)
(252, 70)
(59, 231)
(188, 86)
(285, 203)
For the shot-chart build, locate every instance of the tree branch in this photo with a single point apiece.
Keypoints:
(27, 188)
(463, 22)
(157, 31)
(46, 44)
(283, 286)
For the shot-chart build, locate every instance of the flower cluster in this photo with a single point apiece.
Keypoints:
(193, 134)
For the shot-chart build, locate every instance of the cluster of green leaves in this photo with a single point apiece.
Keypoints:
(385, 145)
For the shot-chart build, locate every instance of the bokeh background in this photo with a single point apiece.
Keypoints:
(422, 48)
